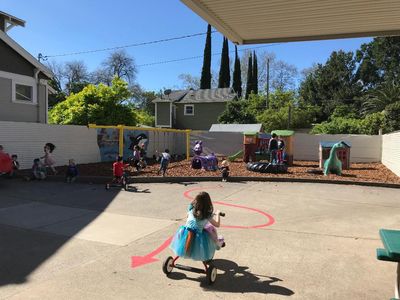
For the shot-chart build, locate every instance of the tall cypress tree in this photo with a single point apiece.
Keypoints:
(224, 64)
(224, 72)
(205, 81)
(237, 76)
(255, 73)
(227, 68)
(249, 85)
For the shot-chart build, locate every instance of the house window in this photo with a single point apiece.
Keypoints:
(189, 110)
(23, 93)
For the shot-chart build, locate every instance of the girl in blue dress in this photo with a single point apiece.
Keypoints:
(192, 240)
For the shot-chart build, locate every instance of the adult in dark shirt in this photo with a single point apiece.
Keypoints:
(273, 147)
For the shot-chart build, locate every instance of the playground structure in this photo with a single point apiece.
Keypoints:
(140, 138)
(206, 162)
(288, 138)
(343, 153)
(333, 165)
(255, 146)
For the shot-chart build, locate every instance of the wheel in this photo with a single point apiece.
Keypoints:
(211, 274)
(167, 265)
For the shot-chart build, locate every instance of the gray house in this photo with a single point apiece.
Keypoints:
(23, 80)
(190, 109)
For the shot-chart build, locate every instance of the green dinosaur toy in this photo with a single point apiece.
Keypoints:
(333, 165)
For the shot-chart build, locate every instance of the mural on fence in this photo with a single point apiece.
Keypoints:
(134, 138)
(108, 142)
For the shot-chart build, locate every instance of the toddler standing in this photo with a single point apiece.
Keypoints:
(47, 158)
(224, 170)
(165, 158)
(72, 171)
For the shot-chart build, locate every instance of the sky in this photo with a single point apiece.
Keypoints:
(60, 27)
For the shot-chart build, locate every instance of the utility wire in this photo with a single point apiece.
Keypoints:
(200, 56)
(45, 57)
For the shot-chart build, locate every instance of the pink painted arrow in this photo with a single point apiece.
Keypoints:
(138, 261)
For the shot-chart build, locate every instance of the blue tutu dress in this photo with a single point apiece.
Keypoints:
(191, 241)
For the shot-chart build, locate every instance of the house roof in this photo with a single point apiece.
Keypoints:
(198, 96)
(260, 21)
(327, 144)
(13, 21)
(209, 95)
(25, 54)
(171, 97)
(236, 128)
(283, 132)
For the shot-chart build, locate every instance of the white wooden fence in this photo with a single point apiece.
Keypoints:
(27, 140)
(364, 148)
(80, 143)
(391, 152)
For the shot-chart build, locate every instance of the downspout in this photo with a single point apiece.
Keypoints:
(36, 76)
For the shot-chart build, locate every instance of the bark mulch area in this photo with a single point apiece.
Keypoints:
(367, 172)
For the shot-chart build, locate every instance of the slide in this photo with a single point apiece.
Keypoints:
(236, 155)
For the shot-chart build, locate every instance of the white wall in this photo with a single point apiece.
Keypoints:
(391, 152)
(173, 141)
(27, 140)
(364, 148)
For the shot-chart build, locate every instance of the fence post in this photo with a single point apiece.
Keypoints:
(188, 144)
(121, 140)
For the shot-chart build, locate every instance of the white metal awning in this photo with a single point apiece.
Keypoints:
(268, 21)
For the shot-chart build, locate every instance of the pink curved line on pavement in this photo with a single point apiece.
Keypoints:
(270, 218)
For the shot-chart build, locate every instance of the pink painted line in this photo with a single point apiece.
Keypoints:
(188, 192)
(270, 218)
(137, 261)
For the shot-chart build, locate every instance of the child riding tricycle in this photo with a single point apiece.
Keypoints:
(197, 239)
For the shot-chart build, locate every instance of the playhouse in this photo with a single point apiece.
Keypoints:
(255, 145)
(343, 154)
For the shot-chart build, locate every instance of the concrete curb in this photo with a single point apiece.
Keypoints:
(134, 179)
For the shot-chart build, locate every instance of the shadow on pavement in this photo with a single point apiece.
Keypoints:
(23, 245)
(233, 278)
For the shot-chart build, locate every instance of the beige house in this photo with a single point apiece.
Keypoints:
(23, 80)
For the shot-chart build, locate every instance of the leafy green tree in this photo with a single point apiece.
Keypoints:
(277, 115)
(143, 100)
(332, 84)
(345, 111)
(144, 118)
(379, 61)
(224, 71)
(378, 99)
(205, 80)
(237, 76)
(392, 117)
(338, 125)
(100, 104)
(249, 85)
(237, 112)
(342, 125)
(372, 123)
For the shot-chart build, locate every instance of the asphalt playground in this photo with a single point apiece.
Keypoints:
(284, 241)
